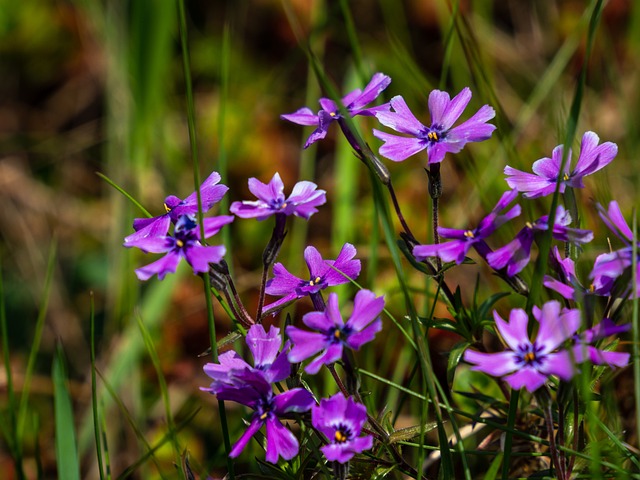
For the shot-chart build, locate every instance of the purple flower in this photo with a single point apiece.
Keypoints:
(606, 328)
(341, 420)
(614, 264)
(210, 193)
(185, 243)
(354, 102)
(568, 284)
(528, 364)
(302, 202)
(332, 334)
(516, 254)
(237, 381)
(440, 137)
(456, 249)
(322, 274)
(542, 181)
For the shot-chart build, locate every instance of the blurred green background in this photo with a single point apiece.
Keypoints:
(97, 86)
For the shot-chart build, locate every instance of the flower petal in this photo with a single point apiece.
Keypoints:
(398, 148)
(238, 447)
(280, 441)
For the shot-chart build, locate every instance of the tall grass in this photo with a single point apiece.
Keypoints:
(179, 83)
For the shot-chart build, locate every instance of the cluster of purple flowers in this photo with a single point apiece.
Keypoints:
(340, 419)
(529, 363)
(551, 345)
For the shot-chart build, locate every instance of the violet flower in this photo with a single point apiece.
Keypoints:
(463, 240)
(184, 243)
(568, 284)
(354, 102)
(615, 263)
(236, 381)
(438, 138)
(322, 274)
(529, 363)
(341, 420)
(542, 181)
(606, 328)
(302, 202)
(332, 334)
(210, 193)
(516, 254)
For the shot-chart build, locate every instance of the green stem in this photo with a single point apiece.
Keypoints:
(196, 178)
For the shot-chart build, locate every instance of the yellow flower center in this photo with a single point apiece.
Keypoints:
(180, 243)
(469, 234)
(433, 136)
(340, 437)
(333, 114)
(592, 288)
(314, 281)
(263, 416)
(336, 333)
(528, 225)
(167, 208)
(529, 357)
(565, 177)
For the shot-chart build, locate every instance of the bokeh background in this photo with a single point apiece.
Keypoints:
(93, 86)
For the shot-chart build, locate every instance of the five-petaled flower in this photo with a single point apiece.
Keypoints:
(354, 102)
(463, 240)
(529, 363)
(184, 243)
(322, 274)
(237, 381)
(341, 420)
(210, 193)
(542, 181)
(332, 334)
(516, 254)
(438, 138)
(302, 202)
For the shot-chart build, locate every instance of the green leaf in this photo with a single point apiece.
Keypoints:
(66, 448)
(454, 360)
(408, 433)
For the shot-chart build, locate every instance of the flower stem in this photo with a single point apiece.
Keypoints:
(435, 192)
(544, 400)
(269, 256)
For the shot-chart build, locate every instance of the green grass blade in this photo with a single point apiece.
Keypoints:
(35, 345)
(164, 390)
(511, 421)
(94, 393)
(66, 447)
(132, 423)
(126, 194)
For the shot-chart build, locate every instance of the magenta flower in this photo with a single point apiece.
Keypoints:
(355, 103)
(184, 243)
(516, 254)
(567, 283)
(463, 240)
(302, 202)
(210, 193)
(322, 274)
(529, 363)
(440, 137)
(332, 333)
(341, 420)
(237, 381)
(542, 181)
